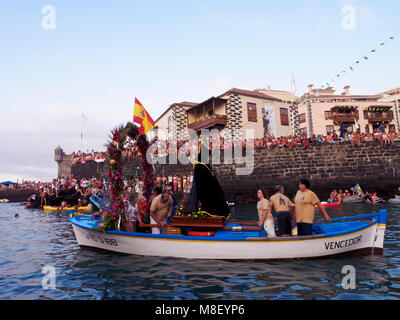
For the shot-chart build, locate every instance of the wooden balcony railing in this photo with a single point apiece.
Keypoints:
(209, 122)
(344, 117)
(380, 118)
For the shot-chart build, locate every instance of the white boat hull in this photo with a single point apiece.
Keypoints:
(369, 240)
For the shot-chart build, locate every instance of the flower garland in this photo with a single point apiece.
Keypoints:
(115, 217)
(112, 220)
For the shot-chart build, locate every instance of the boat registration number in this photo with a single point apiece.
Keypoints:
(96, 238)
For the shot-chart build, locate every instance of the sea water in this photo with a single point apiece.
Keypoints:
(40, 259)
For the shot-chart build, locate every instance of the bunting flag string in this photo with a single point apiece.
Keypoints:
(351, 68)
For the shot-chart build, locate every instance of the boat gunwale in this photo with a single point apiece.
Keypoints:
(244, 238)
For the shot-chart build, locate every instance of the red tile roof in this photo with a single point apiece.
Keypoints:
(250, 93)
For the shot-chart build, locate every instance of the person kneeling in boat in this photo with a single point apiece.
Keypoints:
(375, 198)
(160, 211)
(304, 212)
(62, 206)
(265, 217)
(281, 205)
(334, 197)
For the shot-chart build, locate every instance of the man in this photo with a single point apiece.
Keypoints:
(160, 211)
(342, 130)
(304, 212)
(283, 208)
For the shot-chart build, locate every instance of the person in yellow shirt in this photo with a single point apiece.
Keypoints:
(283, 207)
(265, 216)
(305, 201)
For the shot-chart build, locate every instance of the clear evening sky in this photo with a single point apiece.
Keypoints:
(103, 54)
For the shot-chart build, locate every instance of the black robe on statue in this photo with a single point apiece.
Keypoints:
(207, 191)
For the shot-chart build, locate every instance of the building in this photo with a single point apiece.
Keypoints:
(324, 111)
(393, 96)
(173, 120)
(235, 110)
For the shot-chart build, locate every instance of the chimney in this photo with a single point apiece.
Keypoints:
(310, 88)
(347, 91)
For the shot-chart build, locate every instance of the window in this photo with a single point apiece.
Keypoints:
(329, 129)
(328, 115)
(302, 118)
(251, 112)
(284, 116)
(392, 128)
(303, 131)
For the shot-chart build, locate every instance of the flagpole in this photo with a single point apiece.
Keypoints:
(82, 117)
(81, 134)
(292, 84)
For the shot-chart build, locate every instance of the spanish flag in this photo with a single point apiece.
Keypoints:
(142, 117)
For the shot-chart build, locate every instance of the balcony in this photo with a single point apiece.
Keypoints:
(209, 122)
(379, 117)
(344, 117)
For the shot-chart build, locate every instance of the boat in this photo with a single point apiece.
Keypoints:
(394, 201)
(202, 229)
(48, 208)
(357, 234)
(359, 197)
(330, 204)
(376, 201)
(101, 201)
(4, 200)
(354, 199)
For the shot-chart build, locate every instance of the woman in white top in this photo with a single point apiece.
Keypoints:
(132, 213)
(265, 217)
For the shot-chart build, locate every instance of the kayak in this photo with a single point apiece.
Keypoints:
(48, 208)
(330, 205)
(394, 201)
(354, 199)
(362, 234)
(4, 200)
(377, 200)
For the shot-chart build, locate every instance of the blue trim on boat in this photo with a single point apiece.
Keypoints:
(326, 230)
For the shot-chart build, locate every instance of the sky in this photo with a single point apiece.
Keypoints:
(103, 54)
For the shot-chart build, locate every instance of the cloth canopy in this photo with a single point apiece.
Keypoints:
(7, 183)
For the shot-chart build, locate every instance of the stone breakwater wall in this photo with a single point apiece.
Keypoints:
(16, 195)
(374, 167)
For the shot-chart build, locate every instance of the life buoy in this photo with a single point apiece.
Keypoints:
(201, 233)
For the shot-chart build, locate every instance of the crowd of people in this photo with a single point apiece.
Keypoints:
(186, 146)
(62, 192)
(82, 157)
(301, 211)
(374, 198)
(152, 215)
(332, 137)
(83, 188)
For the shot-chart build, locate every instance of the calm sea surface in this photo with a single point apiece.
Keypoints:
(37, 239)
